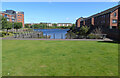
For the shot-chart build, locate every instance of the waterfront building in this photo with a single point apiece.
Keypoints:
(52, 24)
(64, 24)
(13, 16)
(108, 21)
(108, 18)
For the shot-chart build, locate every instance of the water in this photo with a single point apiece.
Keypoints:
(55, 33)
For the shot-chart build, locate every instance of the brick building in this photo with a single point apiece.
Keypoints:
(108, 18)
(13, 16)
(108, 21)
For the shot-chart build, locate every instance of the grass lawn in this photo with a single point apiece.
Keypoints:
(59, 58)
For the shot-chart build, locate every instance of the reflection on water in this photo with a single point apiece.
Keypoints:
(55, 33)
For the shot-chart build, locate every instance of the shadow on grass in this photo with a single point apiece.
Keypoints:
(116, 42)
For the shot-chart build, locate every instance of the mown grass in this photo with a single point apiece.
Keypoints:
(59, 58)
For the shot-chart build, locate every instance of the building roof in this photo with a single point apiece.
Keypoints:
(64, 23)
(104, 12)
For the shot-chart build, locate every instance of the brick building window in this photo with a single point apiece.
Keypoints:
(114, 21)
(114, 27)
(19, 15)
(115, 14)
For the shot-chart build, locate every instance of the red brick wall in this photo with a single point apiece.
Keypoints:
(78, 22)
(93, 21)
(20, 18)
(113, 17)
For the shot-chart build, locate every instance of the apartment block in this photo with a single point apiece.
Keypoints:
(108, 18)
(64, 24)
(13, 16)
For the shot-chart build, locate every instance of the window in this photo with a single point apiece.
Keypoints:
(8, 19)
(115, 14)
(5, 15)
(12, 17)
(114, 27)
(114, 21)
(13, 20)
(19, 15)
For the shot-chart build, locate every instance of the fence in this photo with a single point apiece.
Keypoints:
(38, 35)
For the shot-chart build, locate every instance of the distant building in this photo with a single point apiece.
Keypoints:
(51, 24)
(13, 16)
(64, 24)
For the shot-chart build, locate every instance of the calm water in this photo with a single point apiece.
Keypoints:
(55, 33)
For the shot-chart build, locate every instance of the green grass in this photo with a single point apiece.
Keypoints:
(59, 58)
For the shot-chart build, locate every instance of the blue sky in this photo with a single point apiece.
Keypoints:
(57, 12)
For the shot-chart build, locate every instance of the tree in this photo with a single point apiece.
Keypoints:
(36, 26)
(26, 26)
(6, 24)
(55, 25)
(9, 26)
(83, 30)
(73, 27)
(17, 25)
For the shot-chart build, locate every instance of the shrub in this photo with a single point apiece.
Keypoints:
(84, 30)
(94, 36)
(2, 34)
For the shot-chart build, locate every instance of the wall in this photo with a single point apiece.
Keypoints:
(113, 17)
(20, 18)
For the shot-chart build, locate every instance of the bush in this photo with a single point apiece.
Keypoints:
(83, 30)
(94, 36)
(2, 34)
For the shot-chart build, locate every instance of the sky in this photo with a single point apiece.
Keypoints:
(57, 12)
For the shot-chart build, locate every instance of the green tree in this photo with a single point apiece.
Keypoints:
(83, 30)
(9, 25)
(17, 25)
(5, 24)
(55, 25)
(73, 27)
(36, 26)
(26, 26)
